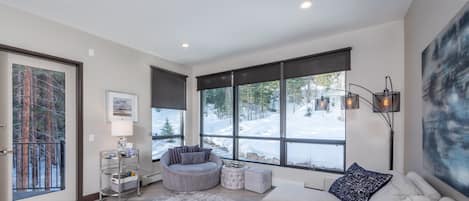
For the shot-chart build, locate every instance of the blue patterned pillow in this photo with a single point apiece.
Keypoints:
(358, 184)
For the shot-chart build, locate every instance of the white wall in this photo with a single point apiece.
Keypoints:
(114, 67)
(424, 20)
(377, 51)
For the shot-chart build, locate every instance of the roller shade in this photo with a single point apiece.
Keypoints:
(327, 62)
(168, 89)
(261, 73)
(213, 81)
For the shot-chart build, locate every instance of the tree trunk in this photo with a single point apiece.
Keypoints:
(34, 136)
(17, 136)
(25, 130)
(49, 131)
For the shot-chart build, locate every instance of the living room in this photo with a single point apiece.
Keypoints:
(284, 100)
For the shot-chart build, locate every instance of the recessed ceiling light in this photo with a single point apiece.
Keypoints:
(185, 45)
(306, 4)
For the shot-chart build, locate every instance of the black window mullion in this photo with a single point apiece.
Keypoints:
(283, 110)
(182, 128)
(217, 136)
(201, 118)
(235, 123)
(167, 137)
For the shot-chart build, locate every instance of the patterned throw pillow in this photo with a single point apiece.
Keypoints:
(358, 184)
(172, 156)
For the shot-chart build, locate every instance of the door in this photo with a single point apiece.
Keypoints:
(37, 129)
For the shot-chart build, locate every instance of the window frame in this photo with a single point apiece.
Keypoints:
(282, 139)
(181, 136)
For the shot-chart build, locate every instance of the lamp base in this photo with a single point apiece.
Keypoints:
(122, 143)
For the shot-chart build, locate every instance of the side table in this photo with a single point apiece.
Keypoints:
(232, 177)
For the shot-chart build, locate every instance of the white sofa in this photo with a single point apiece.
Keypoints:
(410, 187)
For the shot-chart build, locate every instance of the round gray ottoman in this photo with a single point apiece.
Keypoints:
(193, 177)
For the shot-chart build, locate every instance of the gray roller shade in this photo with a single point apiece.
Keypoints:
(168, 89)
(327, 62)
(255, 74)
(213, 81)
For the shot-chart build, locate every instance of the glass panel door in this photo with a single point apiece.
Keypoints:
(40, 129)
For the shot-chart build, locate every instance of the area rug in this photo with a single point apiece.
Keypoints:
(196, 196)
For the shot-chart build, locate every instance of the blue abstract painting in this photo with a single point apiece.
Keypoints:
(445, 77)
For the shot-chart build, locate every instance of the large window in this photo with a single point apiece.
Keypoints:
(259, 122)
(217, 120)
(314, 136)
(259, 109)
(315, 121)
(287, 113)
(168, 102)
(167, 130)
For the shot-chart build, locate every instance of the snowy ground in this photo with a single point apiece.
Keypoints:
(55, 177)
(159, 147)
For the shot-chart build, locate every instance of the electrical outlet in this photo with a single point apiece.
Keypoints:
(91, 52)
(91, 137)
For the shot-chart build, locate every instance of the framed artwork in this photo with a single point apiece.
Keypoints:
(121, 106)
(445, 89)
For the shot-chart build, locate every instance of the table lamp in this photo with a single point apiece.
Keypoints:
(122, 129)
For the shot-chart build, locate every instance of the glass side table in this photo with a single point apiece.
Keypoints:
(119, 173)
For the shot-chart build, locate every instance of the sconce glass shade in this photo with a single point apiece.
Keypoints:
(351, 101)
(387, 101)
(122, 128)
(322, 104)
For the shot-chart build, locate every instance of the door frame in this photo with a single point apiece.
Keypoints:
(79, 104)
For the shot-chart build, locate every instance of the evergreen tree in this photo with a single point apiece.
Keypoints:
(167, 129)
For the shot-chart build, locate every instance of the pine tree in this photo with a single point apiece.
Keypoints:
(167, 129)
(25, 130)
(49, 126)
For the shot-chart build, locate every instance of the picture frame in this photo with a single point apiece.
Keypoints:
(121, 106)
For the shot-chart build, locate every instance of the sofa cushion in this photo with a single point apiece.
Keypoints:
(398, 189)
(446, 199)
(424, 187)
(194, 148)
(175, 154)
(194, 168)
(285, 192)
(358, 184)
(417, 198)
(192, 158)
(208, 152)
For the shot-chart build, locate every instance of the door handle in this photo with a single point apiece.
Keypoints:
(4, 152)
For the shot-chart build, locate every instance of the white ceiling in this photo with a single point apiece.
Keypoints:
(213, 28)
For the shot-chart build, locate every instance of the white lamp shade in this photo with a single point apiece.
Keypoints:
(122, 128)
